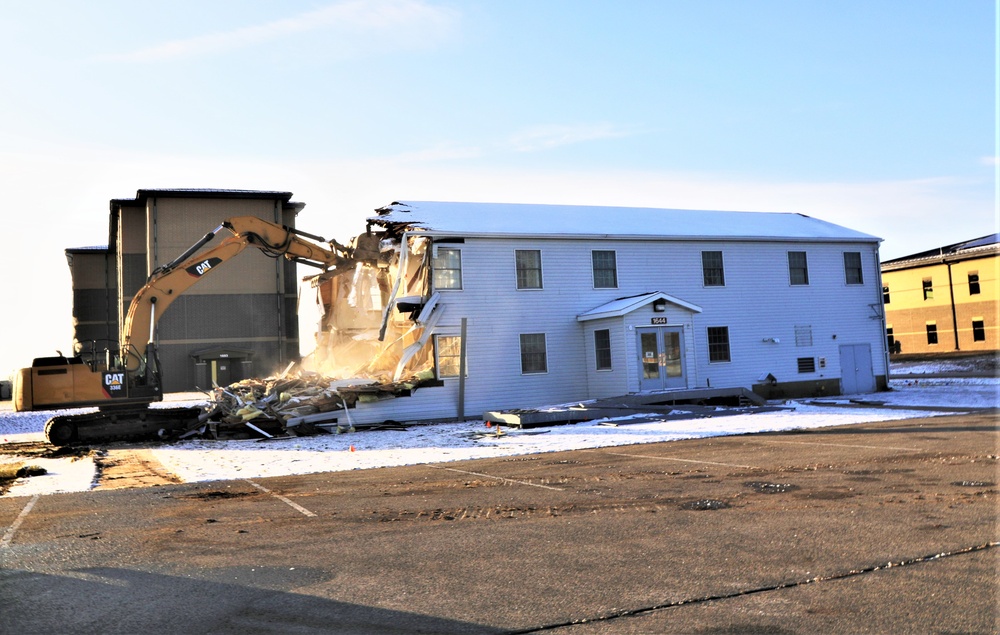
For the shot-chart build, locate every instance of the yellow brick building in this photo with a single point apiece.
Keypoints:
(944, 300)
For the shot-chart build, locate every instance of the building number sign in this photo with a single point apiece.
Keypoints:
(658, 320)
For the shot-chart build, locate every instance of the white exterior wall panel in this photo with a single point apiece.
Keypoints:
(757, 303)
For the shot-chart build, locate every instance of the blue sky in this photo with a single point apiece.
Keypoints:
(878, 115)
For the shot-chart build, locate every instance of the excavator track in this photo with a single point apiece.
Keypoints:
(119, 425)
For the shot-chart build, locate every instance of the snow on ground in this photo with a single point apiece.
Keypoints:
(203, 460)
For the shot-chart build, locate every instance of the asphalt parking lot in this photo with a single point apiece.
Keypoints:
(874, 528)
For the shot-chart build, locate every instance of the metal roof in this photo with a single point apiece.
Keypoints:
(579, 221)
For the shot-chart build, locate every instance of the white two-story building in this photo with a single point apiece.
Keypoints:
(514, 306)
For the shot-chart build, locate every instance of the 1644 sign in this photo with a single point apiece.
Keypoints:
(658, 320)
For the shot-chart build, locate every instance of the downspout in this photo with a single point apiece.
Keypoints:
(280, 288)
(154, 227)
(954, 315)
(154, 254)
(461, 369)
(882, 318)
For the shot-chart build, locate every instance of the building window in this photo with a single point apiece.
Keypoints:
(448, 349)
(447, 266)
(798, 269)
(974, 283)
(711, 266)
(807, 364)
(803, 336)
(928, 289)
(852, 267)
(533, 358)
(605, 270)
(932, 333)
(978, 330)
(529, 268)
(602, 349)
(718, 344)
(885, 295)
(890, 339)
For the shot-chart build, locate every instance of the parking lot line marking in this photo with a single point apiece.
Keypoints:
(290, 503)
(8, 535)
(670, 458)
(844, 445)
(499, 478)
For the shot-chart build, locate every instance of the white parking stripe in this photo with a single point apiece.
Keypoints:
(290, 503)
(842, 445)
(499, 478)
(670, 458)
(8, 535)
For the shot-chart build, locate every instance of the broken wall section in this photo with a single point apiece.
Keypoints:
(375, 321)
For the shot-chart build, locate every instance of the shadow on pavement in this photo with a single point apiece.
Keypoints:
(104, 600)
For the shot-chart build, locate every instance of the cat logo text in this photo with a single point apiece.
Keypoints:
(114, 384)
(201, 268)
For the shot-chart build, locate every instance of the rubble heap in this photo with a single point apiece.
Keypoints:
(305, 404)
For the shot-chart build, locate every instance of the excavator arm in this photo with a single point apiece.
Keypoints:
(123, 388)
(168, 282)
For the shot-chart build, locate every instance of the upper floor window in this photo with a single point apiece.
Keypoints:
(973, 283)
(533, 356)
(928, 286)
(605, 270)
(718, 344)
(852, 267)
(528, 263)
(798, 268)
(447, 266)
(885, 295)
(712, 270)
(602, 349)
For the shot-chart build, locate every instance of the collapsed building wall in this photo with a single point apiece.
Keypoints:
(376, 317)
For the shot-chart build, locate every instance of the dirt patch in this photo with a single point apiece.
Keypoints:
(16, 460)
(43, 450)
(121, 468)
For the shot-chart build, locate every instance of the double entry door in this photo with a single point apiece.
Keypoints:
(661, 357)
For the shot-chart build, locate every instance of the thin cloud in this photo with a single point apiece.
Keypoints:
(355, 20)
(554, 136)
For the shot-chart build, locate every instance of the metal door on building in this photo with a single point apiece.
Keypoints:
(661, 358)
(222, 374)
(856, 375)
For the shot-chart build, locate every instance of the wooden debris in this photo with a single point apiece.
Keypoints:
(294, 403)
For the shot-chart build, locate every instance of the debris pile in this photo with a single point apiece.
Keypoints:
(302, 405)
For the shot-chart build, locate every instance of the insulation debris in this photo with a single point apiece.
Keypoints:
(301, 405)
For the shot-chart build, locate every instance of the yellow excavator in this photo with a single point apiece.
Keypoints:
(124, 384)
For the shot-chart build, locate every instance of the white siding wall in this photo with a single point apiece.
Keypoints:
(757, 302)
(608, 383)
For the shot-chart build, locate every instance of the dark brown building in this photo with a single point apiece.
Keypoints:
(238, 322)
